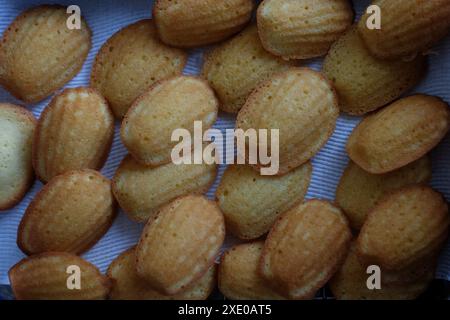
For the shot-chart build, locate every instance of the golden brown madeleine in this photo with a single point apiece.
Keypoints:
(193, 23)
(359, 191)
(304, 249)
(180, 244)
(131, 61)
(17, 126)
(302, 105)
(141, 190)
(239, 278)
(405, 227)
(74, 132)
(407, 27)
(46, 276)
(363, 82)
(302, 29)
(52, 56)
(413, 272)
(128, 286)
(70, 214)
(171, 104)
(236, 67)
(350, 283)
(399, 134)
(251, 202)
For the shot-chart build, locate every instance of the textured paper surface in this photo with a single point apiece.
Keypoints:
(107, 17)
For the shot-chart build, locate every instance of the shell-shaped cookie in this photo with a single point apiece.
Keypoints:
(350, 283)
(53, 53)
(141, 190)
(131, 61)
(239, 278)
(359, 191)
(302, 105)
(193, 23)
(74, 132)
(251, 202)
(236, 67)
(304, 248)
(70, 214)
(47, 277)
(17, 126)
(399, 134)
(302, 29)
(128, 286)
(171, 104)
(405, 226)
(407, 27)
(364, 83)
(180, 244)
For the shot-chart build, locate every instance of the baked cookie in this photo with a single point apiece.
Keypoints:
(52, 56)
(399, 134)
(131, 61)
(70, 214)
(302, 29)
(194, 23)
(17, 126)
(74, 132)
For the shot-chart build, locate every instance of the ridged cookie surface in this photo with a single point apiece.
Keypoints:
(407, 27)
(45, 277)
(406, 226)
(53, 53)
(17, 126)
(70, 214)
(302, 29)
(192, 23)
(359, 191)
(251, 203)
(302, 105)
(180, 244)
(128, 286)
(304, 248)
(74, 132)
(171, 104)
(399, 134)
(363, 82)
(239, 278)
(142, 190)
(131, 61)
(236, 67)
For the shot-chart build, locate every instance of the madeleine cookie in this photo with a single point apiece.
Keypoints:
(408, 27)
(236, 67)
(302, 105)
(179, 245)
(74, 132)
(399, 134)
(128, 286)
(141, 190)
(405, 226)
(359, 191)
(131, 61)
(251, 203)
(238, 274)
(363, 82)
(70, 214)
(350, 283)
(302, 29)
(17, 126)
(304, 248)
(171, 104)
(47, 277)
(52, 56)
(193, 23)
